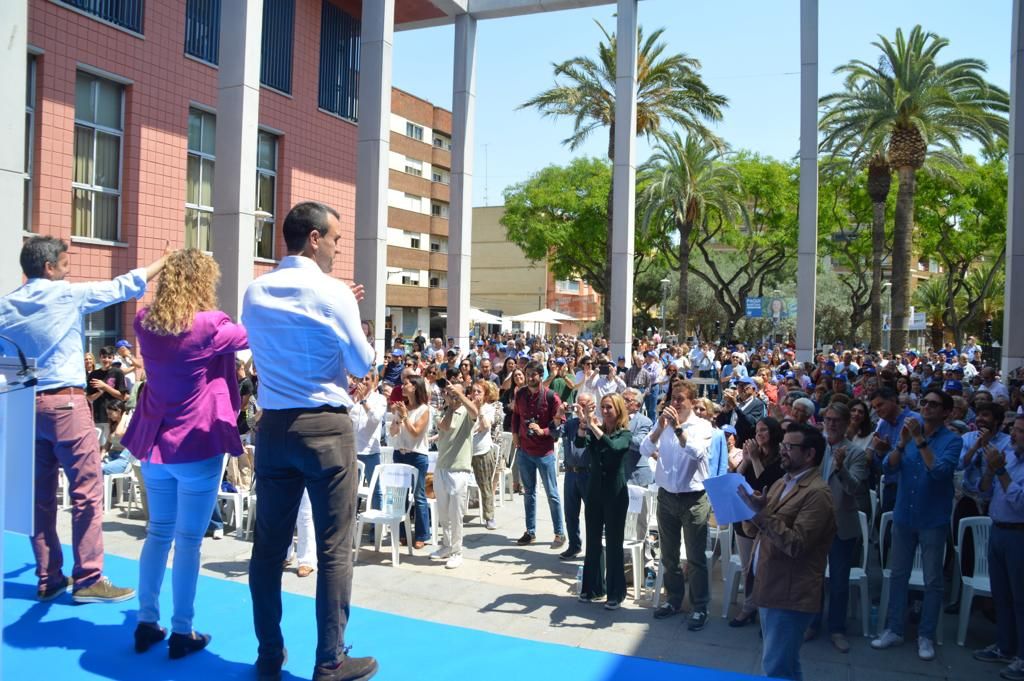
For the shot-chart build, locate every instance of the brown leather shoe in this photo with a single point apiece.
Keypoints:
(305, 571)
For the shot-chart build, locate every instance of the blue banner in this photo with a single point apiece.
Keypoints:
(753, 307)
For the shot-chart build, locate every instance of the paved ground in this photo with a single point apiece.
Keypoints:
(525, 592)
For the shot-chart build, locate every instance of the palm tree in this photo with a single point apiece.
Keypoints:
(683, 180)
(669, 90)
(904, 104)
(931, 297)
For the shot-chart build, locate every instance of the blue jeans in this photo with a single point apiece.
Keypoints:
(840, 560)
(1006, 569)
(119, 464)
(651, 402)
(217, 520)
(575, 486)
(181, 499)
(372, 461)
(547, 466)
(933, 551)
(783, 633)
(421, 510)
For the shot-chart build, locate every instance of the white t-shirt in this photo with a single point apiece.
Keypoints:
(482, 441)
(406, 441)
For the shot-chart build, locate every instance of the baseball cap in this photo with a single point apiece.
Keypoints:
(621, 358)
(397, 352)
(728, 429)
(479, 343)
(747, 380)
(122, 344)
(560, 361)
(953, 386)
(840, 376)
(650, 353)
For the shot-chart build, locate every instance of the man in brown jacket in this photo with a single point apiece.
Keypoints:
(794, 525)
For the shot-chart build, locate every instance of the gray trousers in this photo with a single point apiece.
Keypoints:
(685, 514)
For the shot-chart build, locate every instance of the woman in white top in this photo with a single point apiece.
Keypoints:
(367, 416)
(409, 429)
(484, 395)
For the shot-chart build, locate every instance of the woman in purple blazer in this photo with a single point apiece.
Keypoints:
(183, 425)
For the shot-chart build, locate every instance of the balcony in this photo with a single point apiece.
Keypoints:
(410, 147)
(440, 157)
(408, 258)
(410, 184)
(437, 262)
(440, 192)
(437, 297)
(409, 220)
(438, 226)
(407, 296)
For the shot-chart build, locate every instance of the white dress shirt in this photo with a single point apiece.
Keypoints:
(367, 417)
(306, 336)
(681, 469)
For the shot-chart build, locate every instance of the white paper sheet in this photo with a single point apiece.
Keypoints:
(725, 500)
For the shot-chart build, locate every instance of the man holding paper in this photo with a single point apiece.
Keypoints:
(793, 526)
(681, 444)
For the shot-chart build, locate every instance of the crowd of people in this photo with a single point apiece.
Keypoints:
(932, 437)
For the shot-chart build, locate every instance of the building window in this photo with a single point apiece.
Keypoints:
(438, 280)
(442, 176)
(443, 142)
(276, 55)
(123, 13)
(202, 140)
(96, 175)
(102, 328)
(414, 242)
(30, 126)
(413, 167)
(339, 62)
(438, 244)
(414, 131)
(412, 202)
(567, 286)
(439, 210)
(410, 278)
(266, 186)
(202, 29)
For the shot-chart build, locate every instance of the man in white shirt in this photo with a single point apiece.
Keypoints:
(681, 444)
(306, 337)
(607, 382)
(990, 382)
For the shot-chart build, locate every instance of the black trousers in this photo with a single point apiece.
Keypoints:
(300, 449)
(605, 573)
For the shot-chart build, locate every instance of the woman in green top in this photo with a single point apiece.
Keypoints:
(607, 441)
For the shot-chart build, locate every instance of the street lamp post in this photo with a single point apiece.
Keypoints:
(886, 320)
(664, 305)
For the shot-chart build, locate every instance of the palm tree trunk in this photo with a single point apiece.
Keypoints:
(877, 252)
(902, 257)
(683, 304)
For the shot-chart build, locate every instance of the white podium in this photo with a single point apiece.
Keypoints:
(17, 455)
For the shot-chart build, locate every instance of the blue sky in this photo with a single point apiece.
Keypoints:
(749, 51)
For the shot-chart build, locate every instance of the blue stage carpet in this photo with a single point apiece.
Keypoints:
(67, 642)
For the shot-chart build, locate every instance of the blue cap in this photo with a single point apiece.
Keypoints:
(951, 386)
(621, 358)
(870, 370)
(830, 363)
(560, 361)
(122, 344)
(689, 374)
(790, 374)
(747, 380)
(728, 429)
(650, 353)
(826, 372)
(397, 352)
(479, 343)
(840, 376)
(523, 355)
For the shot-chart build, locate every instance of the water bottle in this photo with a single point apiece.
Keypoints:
(389, 501)
(649, 580)
(873, 619)
(579, 579)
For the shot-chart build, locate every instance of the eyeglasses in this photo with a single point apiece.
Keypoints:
(931, 403)
(790, 446)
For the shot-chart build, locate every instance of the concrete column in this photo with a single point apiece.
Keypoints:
(1013, 306)
(807, 251)
(460, 213)
(375, 47)
(234, 175)
(14, 20)
(624, 181)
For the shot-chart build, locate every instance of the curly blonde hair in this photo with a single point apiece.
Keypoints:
(188, 284)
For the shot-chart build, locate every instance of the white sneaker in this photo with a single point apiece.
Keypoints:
(442, 553)
(888, 639)
(925, 648)
(454, 562)
(492, 524)
(218, 534)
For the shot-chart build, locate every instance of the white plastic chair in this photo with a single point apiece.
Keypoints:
(659, 578)
(387, 454)
(362, 491)
(859, 576)
(508, 457)
(633, 543)
(432, 501)
(732, 571)
(396, 482)
(873, 496)
(979, 583)
(236, 501)
(916, 577)
(121, 483)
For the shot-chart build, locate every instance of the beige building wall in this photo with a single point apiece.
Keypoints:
(503, 278)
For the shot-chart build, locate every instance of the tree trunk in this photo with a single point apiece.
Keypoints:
(683, 304)
(902, 257)
(877, 253)
(937, 333)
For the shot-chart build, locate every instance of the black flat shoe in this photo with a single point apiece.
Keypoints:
(743, 621)
(181, 645)
(147, 635)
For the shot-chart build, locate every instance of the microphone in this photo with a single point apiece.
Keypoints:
(28, 372)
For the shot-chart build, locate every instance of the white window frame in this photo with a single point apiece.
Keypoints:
(263, 215)
(442, 209)
(413, 166)
(442, 142)
(212, 158)
(567, 286)
(414, 131)
(30, 136)
(96, 189)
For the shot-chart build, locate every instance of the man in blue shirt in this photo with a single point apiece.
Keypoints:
(1000, 478)
(44, 318)
(925, 459)
(886, 405)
